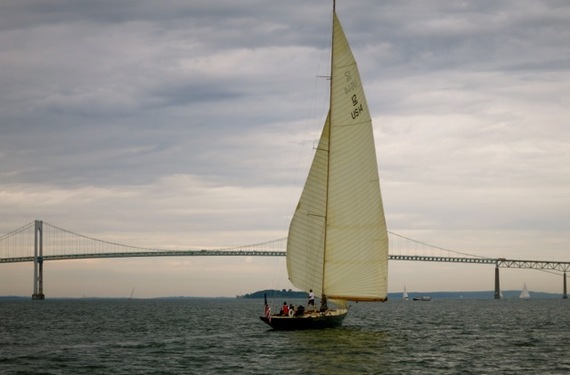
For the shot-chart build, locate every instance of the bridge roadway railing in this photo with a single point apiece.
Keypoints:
(533, 264)
(499, 262)
(177, 253)
(141, 254)
(421, 258)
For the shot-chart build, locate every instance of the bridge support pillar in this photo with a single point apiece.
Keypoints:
(497, 283)
(38, 262)
(565, 294)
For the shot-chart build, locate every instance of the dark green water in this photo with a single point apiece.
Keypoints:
(225, 336)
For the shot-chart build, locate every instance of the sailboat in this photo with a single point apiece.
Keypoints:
(524, 293)
(405, 294)
(338, 241)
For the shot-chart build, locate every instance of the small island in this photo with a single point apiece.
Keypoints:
(273, 293)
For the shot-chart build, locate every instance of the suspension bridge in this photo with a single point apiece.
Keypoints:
(40, 241)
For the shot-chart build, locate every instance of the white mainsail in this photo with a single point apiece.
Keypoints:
(405, 294)
(524, 294)
(338, 241)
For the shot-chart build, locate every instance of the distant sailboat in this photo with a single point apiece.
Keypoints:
(423, 298)
(338, 241)
(524, 294)
(405, 294)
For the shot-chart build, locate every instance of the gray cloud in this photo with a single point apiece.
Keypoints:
(175, 124)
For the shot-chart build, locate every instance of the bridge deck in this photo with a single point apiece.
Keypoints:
(499, 262)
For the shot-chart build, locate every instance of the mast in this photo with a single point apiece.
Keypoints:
(323, 298)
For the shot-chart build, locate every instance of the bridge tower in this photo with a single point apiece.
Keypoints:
(38, 261)
(565, 290)
(497, 282)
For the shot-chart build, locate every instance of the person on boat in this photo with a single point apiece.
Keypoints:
(311, 299)
(285, 309)
(300, 311)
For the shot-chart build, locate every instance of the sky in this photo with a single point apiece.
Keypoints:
(192, 124)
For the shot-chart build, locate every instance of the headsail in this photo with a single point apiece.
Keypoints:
(338, 241)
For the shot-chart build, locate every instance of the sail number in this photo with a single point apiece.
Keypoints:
(351, 85)
(357, 107)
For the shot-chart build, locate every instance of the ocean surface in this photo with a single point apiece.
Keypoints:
(225, 336)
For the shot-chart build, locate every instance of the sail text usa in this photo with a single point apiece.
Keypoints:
(357, 107)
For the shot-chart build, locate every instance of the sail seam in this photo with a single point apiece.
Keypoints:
(351, 124)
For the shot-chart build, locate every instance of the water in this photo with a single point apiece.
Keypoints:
(225, 336)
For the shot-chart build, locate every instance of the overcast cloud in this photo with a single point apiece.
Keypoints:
(184, 124)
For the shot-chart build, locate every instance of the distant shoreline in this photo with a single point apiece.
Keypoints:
(273, 293)
(490, 294)
(290, 294)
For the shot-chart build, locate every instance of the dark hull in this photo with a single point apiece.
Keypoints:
(426, 299)
(309, 321)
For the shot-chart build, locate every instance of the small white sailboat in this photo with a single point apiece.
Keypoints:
(338, 241)
(405, 294)
(524, 293)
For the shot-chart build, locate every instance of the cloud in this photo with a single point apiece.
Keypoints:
(193, 124)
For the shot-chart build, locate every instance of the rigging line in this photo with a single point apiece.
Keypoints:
(437, 247)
